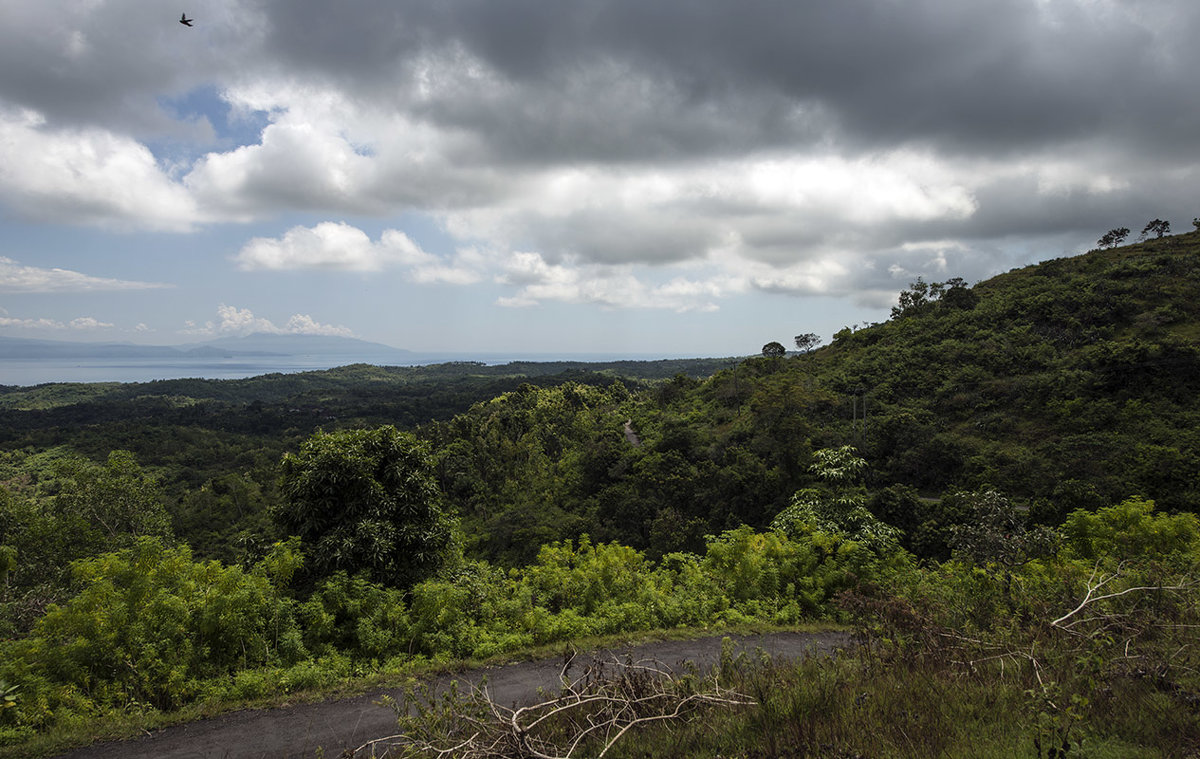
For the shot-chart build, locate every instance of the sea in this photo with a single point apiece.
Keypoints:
(38, 371)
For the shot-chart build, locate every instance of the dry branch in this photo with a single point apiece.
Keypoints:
(592, 713)
(1090, 598)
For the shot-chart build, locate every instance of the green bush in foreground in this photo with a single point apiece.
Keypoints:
(150, 625)
(155, 629)
(1114, 606)
(1056, 657)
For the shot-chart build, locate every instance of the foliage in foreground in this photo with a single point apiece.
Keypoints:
(1090, 652)
(1063, 642)
(155, 630)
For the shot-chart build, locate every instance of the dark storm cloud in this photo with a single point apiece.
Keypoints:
(801, 137)
(719, 77)
(106, 64)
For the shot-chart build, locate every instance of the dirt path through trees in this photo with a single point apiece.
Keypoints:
(299, 732)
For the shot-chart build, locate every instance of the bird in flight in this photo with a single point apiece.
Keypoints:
(183, 19)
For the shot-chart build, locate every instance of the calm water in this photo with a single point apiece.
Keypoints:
(35, 371)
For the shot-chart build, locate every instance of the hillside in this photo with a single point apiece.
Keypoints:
(1072, 382)
(1068, 384)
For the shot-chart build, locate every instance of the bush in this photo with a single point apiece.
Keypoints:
(150, 624)
(1131, 530)
(356, 617)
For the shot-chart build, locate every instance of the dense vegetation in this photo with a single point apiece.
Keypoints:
(1071, 384)
(955, 481)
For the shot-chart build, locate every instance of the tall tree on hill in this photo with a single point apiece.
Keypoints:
(774, 350)
(807, 341)
(1113, 237)
(366, 501)
(1157, 227)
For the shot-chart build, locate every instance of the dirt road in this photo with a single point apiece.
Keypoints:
(299, 732)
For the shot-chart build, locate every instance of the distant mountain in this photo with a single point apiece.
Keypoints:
(261, 343)
(227, 347)
(19, 347)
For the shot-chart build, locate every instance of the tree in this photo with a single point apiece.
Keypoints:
(98, 507)
(1158, 228)
(774, 350)
(958, 294)
(365, 500)
(837, 506)
(996, 531)
(1113, 237)
(116, 502)
(918, 295)
(807, 341)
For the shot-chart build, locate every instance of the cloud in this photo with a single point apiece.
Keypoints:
(88, 323)
(82, 323)
(10, 321)
(107, 64)
(329, 245)
(621, 80)
(242, 321)
(15, 278)
(86, 175)
(673, 152)
(340, 246)
(610, 287)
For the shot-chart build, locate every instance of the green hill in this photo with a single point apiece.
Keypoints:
(1067, 384)
(1071, 383)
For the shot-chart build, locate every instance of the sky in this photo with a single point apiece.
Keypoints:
(666, 177)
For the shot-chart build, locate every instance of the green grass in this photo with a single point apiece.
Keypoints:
(856, 706)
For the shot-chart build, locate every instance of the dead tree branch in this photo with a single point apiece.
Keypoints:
(1094, 584)
(590, 714)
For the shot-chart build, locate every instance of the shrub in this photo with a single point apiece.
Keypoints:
(1131, 530)
(149, 625)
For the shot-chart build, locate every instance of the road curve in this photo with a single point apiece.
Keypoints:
(300, 732)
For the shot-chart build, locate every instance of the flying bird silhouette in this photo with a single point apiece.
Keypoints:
(183, 19)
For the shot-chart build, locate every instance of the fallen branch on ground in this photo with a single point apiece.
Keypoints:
(591, 713)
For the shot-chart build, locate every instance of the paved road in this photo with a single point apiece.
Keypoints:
(299, 732)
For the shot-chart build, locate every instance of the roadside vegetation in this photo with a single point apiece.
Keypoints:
(996, 488)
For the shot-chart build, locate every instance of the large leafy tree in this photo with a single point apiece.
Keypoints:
(365, 501)
(774, 350)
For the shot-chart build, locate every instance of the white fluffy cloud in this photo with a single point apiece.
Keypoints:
(329, 245)
(12, 321)
(81, 324)
(242, 321)
(89, 323)
(340, 246)
(537, 281)
(86, 175)
(15, 278)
